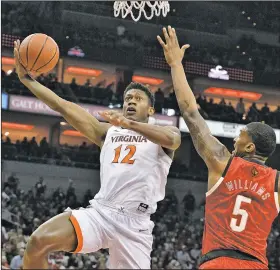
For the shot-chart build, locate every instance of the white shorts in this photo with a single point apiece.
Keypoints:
(128, 237)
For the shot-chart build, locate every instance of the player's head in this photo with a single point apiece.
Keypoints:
(138, 102)
(255, 139)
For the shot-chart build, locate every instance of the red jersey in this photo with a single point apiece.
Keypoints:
(240, 209)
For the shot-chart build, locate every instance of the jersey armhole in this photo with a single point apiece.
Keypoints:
(276, 191)
(227, 167)
(165, 154)
(213, 188)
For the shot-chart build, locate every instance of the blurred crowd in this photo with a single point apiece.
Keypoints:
(18, 18)
(246, 53)
(124, 43)
(177, 233)
(264, 14)
(217, 17)
(111, 94)
(83, 156)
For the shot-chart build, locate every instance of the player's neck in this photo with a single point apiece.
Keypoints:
(256, 157)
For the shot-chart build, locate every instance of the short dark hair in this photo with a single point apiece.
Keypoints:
(264, 138)
(146, 90)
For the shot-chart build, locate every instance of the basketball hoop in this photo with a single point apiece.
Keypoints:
(128, 7)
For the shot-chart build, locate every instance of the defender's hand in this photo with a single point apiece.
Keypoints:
(172, 51)
(115, 118)
(21, 71)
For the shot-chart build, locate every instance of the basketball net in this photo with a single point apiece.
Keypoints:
(138, 7)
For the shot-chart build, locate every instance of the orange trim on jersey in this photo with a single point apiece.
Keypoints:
(78, 233)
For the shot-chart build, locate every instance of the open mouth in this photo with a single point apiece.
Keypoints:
(130, 110)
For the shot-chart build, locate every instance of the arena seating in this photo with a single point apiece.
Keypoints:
(105, 96)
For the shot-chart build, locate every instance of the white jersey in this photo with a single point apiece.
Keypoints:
(133, 171)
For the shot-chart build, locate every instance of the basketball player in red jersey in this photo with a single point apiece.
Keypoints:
(242, 199)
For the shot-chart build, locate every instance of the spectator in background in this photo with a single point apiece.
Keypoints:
(88, 196)
(6, 195)
(159, 100)
(240, 109)
(74, 85)
(222, 102)
(120, 90)
(88, 83)
(24, 145)
(230, 108)
(71, 190)
(171, 200)
(253, 114)
(4, 263)
(33, 147)
(8, 141)
(41, 79)
(195, 251)
(13, 182)
(265, 111)
(40, 188)
(44, 146)
(110, 86)
(189, 202)
(18, 146)
(101, 84)
(54, 84)
(120, 30)
(58, 195)
(277, 117)
(183, 256)
(16, 262)
(4, 235)
(83, 146)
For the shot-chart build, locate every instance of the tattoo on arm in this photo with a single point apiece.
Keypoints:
(207, 146)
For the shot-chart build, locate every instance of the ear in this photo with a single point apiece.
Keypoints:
(250, 148)
(151, 111)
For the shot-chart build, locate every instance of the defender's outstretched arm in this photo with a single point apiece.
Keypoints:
(208, 147)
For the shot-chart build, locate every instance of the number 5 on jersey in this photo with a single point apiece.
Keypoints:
(128, 158)
(237, 210)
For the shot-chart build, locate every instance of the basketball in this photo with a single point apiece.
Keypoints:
(38, 53)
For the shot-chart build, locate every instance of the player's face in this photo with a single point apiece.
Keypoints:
(137, 106)
(243, 144)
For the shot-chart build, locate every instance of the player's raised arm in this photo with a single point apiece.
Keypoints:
(208, 147)
(75, 115)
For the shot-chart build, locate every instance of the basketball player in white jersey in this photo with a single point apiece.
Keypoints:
(135, 160)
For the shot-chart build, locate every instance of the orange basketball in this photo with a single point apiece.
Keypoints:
(38, 53)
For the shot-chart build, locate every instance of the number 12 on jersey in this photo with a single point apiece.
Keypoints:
(237, 210)
(128, 158)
